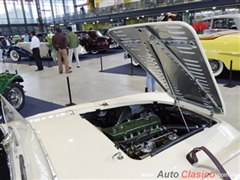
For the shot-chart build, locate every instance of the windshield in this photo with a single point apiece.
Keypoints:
(98, 34)
(23, 138)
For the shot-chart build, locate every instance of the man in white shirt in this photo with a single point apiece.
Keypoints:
(34, 46)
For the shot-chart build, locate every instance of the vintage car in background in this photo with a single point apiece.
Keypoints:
(22, 50)
(104, 32)
(136, 136)
(221, 48)
(11, 89)
(222, 23)
(94, 41)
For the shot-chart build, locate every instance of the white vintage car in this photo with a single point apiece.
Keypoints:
(148, 135)
(222, 23)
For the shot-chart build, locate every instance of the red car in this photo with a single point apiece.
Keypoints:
(94, 41)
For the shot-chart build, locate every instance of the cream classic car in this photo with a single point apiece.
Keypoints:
(22, 49)
(141, 136)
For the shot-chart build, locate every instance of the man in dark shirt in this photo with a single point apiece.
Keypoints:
(60, 45)
(6, 43)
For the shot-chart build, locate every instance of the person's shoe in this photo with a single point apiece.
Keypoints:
(78, 66)
(69, 72)
(60, 72)
(70, 68)
(38, 69)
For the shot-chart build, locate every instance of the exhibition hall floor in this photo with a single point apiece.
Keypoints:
(87, 84)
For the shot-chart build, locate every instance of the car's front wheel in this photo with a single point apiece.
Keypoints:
(217, 66)
(14, 55)
(134, 62)
(15, 95)
(94, 51)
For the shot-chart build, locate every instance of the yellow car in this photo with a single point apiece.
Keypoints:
(221, 48)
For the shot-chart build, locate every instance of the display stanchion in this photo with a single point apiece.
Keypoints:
(229, 85)
(29, 60)
(101, 63)
(131, 67)
(16, 71)
(69, 93)
(146, 89)
(48, 58)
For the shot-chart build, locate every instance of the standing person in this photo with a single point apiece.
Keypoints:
(29, 36)
(82, 10)
(60, 45)
(72, 44)
(1, 51)
(172, 17)
(34, 46)
(26, 37)
(150, 81)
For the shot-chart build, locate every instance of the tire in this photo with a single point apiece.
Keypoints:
(14, 55)
(135, 63)
(15, 95)
(217, 66)
(94, 51)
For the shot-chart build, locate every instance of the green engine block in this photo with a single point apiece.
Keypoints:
(132, 128)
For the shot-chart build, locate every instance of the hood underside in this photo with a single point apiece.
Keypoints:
(173, 54)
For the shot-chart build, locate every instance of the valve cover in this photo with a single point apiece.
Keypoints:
(132, 128)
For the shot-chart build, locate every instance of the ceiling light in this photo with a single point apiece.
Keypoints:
(213, 7)
(142, 16)
(61, 24)
(97, 21)
(137, 17)
(85, 23)
(111, 20)
(127, 17)
(187, 10)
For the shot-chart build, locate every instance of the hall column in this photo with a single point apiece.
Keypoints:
(39, 13)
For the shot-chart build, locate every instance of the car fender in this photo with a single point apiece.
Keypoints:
(20, 51)
(6, 78)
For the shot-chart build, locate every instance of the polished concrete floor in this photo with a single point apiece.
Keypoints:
(88, 84)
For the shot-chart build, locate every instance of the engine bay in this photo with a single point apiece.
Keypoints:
(146, 130)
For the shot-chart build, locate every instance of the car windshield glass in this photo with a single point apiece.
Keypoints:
(99, 34)
(104, 31)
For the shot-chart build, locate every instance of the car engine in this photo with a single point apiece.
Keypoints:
(142, 131)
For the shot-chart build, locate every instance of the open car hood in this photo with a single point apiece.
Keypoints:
(173, 54)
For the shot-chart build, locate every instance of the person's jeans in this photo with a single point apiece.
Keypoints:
(70, 53)
(1, 51)
(150, 83)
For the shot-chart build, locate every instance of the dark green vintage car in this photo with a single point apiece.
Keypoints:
(11, 89)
